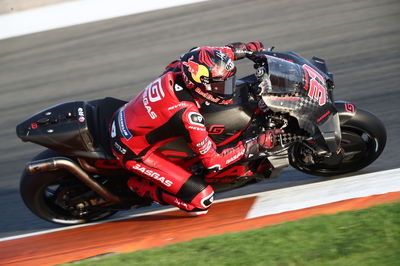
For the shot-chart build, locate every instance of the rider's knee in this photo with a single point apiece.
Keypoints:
(197, 193)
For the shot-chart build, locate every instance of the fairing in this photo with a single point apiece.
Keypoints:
(301, 91)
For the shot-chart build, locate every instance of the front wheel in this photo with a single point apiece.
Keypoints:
(363, 140)
(59, 197)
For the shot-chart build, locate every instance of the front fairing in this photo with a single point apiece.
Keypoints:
(301, 91)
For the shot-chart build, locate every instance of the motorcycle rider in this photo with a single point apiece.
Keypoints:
(168, 109)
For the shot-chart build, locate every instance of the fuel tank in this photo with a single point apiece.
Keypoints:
(223, 122)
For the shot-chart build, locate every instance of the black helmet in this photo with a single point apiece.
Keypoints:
(210, 73)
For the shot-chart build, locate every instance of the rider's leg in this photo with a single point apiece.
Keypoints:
(170, 184)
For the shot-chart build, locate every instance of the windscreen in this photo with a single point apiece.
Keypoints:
(286, 77)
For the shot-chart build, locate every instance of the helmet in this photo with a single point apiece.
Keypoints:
(210, 74)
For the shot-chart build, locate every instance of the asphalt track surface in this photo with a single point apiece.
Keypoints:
(359, 39)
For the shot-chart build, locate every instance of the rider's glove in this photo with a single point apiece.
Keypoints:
(263, 142)
(241, 50)
(254, 47)
(268, 139)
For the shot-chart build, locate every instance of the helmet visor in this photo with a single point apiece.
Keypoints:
(223, 88)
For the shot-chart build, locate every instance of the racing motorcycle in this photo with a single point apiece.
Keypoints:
(78, 180)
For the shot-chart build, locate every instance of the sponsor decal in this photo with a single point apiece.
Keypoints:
(236, 157)
(216, 129)
(197, 128)
(196, 119)
(119, 148)
(113, 130)
(229, 65)
(155, 91)
(178, 88)
(207, 96)
(152, 93)
(283, 99)
(122, 126)
(316, 87)
(81, 115)
(349, 107)
(151, 113)
(202, 142)
(177, 106)
(197, 70)
(205, 148)
(220, 54)
(180, 204)
(150, 173)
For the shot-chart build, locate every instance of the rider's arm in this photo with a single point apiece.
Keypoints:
(238, 50)
(206, 149)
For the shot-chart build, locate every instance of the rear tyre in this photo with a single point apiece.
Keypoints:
(58, 196)
(363, 140)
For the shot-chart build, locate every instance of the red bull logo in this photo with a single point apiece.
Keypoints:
(197, 70)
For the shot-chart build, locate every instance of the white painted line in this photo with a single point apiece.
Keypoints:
(310, 195)
(77, 12)
(269, 199)
(87, 224)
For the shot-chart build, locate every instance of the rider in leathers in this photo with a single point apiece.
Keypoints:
(168, 109)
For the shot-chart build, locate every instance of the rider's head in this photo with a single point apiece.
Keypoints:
(210, 74)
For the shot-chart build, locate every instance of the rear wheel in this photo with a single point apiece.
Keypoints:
(363, 140)
(59, 197)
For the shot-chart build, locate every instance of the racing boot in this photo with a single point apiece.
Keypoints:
(144, 188)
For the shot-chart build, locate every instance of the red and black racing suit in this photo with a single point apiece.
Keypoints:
(164, 111)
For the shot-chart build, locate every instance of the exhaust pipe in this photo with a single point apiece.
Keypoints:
(63, 163)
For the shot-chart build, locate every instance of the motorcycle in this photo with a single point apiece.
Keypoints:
(77, 179)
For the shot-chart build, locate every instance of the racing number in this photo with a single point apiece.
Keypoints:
(316, 88)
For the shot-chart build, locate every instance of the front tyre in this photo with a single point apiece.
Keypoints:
(58, 196)
(363, 140)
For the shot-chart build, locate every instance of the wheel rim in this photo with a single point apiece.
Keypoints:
(359, 149)
(61, 198)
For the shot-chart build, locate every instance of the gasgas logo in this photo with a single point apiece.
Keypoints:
(152, 174)
(196, 69)
(152, 93)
